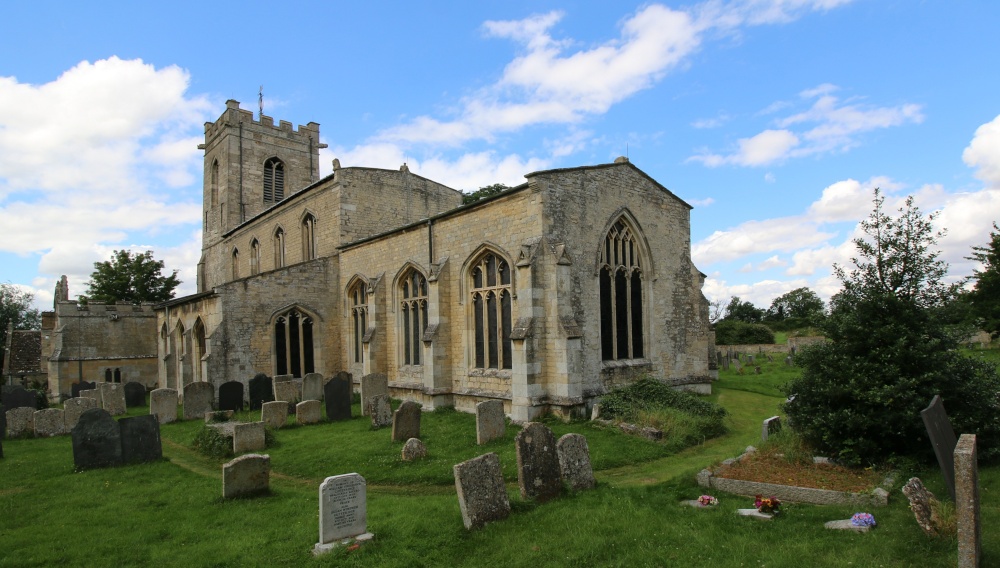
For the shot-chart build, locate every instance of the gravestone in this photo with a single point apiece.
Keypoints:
(490, 422)
(967, 502)
(260, 391)
(135, 394)
(112, 398)
(140, 439)
(372, 385)
(274, 414)
(76, 388)
(198, 398)
(337, 396)
(737, 365)
(231, 396)
(770, 426)
(308, 412)
(288, 392)
(18, 397)
(942, 437)
(482, 495)
(163, 405)
(97, 440)
(20, 421)
(413, 449)
(312, 387)
(923, 504)
(49, 422)
(788, 361)
(73, 408)
(406, 422)
(246, 475)
(343, 511)
(574, 462)
(380, 411)
(94, 394)
(537, 464)
(248, 437)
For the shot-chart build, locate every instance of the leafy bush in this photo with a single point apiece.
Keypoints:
(734, 332)
(211, 442)
(650, 401)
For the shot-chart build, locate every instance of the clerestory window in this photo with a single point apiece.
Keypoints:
(279, 248)
(308, 238)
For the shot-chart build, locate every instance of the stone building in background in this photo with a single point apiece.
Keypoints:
(544, 296)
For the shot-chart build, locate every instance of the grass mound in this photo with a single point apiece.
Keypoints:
(679, 414)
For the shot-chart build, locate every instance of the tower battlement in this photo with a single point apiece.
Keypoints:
(234, 116)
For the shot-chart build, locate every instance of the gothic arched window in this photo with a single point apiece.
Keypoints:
(621, 295)
(274, 180)
(308, 238)
(254, 257)
(293, 344)
(413, 315)
(279, 248)
(491, 312)
(236, 263)
(359, 319)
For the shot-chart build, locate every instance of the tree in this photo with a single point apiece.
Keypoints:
(15, 312)
(743, 311)
(799, 308)
(130, 277)
(984, 297)
(890, 351)
(484, 192)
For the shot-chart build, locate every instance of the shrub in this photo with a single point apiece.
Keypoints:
(650, 401)
(734, 332)
(211, 442)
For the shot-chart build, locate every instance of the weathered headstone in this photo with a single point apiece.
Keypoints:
(942, 437)
(490, 423)
(18, 397)
(97, 440)
(198, 398)
(49, 422)
(788, 361)
(246, 475)
(248, 437)
(482, 495)
(337, 396)
(413, 449)
(380, 411)
(967, 502)
(163, 405)
(372, 385)
(737, 365)
(231, 396)
(343, 511)
(94, 394)
(73, 408)
(135, 394)
(922, 503)
(260, 391)
(287, 391)
(406, 421)
(77, 387)
(537, 464)
(20, 421)
(312, 387)
(274, 414)
(770, 426)
(308, 412)
(112, 398)
(574, 462)
(140, 439)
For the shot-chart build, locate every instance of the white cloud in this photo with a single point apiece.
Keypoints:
(783, 234)
(983, 153)
(849, 200)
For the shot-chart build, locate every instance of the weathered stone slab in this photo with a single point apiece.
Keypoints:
(112, 398)
(20, 421)
(135, 394)
(845, 525)
(231, 396)
(406, 421)
(260, 390)
(49, 422)
(246, 475)
(289, 392)
(94, 394)
(274, 414)
(163, 405)
(482, 495)
(942, 437)
(574, 462)
(73, 408)
(308, 412)
(248, 437)
(922, 503)
(490, 421)
(372, 385)
(97, 440)
(343, 511)
(413, 449)
(337, 396)
(140, 439)
(312, 387)
(967, 502)
(77, 387)
(198, 398)
(770, 426)
(16, 396)
(380, 411)
(754, 513)
(537, 464)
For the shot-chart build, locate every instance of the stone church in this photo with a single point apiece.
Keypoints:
(544, 296)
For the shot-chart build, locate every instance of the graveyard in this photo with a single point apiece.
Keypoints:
(172, 512)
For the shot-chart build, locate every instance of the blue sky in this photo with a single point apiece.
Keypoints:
(773, 118)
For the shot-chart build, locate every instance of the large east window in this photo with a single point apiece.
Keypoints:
(293, 344)
(413, 315)
(491, 312)
(621, 295)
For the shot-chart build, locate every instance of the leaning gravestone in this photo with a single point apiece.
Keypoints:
(288, 391)
(337, 396)
(574, 462)
(97, 440)
(482, 495)
(231, 396)
(312, 387)
(770, 426)
(537, 464)
(490, 423)
(140, 439)
(76, 388)
(112, 398)
(380, 410)
(343, 511)
(163, 405)
(260, 391)
(274, 414)
(74, 407)
(372, 385)
(308, 412)
(94, 394)
(49, 422)
(198, 398)
(246, 475)
(942, 438)
(20, 421)
(406, 422)
(135, 394)
(17, 397)
(967, 502)
(248, 437)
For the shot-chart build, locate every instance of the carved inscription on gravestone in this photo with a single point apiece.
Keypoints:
(343, 509)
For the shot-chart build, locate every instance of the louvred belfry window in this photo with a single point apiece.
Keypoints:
(491, 312)
(274, 180)
(621, 295)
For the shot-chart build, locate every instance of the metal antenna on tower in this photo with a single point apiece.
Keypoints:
(260, 101)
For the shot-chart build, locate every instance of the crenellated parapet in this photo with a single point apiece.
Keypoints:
(234, 116)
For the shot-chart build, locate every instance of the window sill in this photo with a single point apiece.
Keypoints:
(625, 363)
